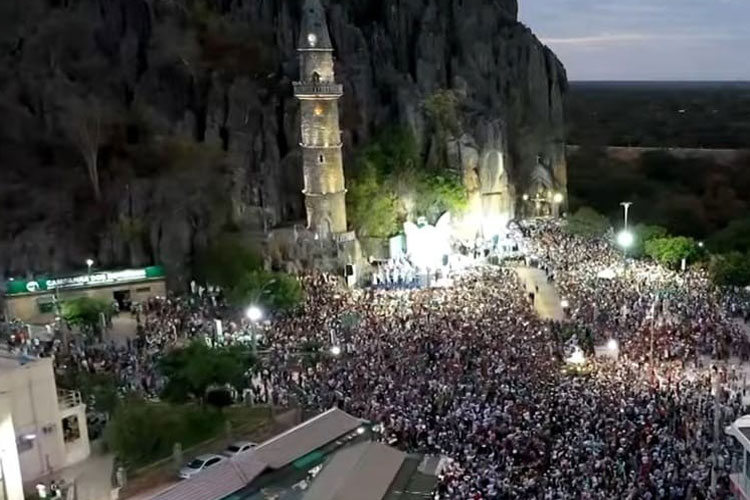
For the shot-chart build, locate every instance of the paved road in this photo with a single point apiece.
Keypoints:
(93, 476)
(546, 300)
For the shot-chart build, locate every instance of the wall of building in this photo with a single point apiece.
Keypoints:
(32, 397)
(26, 307)
(10, 470)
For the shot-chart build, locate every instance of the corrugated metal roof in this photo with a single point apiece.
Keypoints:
(217, 482)
(362, 472)
(306, 437)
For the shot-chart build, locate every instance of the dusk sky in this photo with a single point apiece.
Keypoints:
(645, 39)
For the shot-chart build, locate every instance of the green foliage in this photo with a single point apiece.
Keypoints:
(238, 270)
(442, 108)
(437, 195)
(371, 207)
(390, 184)
(272, 290)
(688, 196)
(190, 371)
(141, 432)
(84, 312)
(670, 251)
(734, 237)
(731, 269)
(587, 222)
(219, 398)
(226, 261)
(644, 233)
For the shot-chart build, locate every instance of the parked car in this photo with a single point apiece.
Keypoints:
(238, 448)
(199, 464)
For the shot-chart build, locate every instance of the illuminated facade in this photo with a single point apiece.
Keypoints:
(318, 94)
(49, 426)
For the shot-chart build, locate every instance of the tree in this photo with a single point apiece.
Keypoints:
(372, 207)
(731, 269)
(644, 233)
(226, 261)
(141, 432)
(273, 290)
(190, 371)
(587, 222)
(86, 122)
(734, 237)
(671, 251)
(85, 313)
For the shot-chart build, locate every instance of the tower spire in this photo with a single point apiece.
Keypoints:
(314, 34)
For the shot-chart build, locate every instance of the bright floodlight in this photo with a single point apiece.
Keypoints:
(625, 239)
(335, 350)
(360, 430)
(612, 345)
(558, 198)
(254, 313)
(564, 304)
(89, 262)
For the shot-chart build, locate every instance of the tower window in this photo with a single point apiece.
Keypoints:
(321, 159)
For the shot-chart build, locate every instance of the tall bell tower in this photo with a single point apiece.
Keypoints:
(319, 94)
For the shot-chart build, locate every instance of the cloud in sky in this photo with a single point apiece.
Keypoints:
(645, 39)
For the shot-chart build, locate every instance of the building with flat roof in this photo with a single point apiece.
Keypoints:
(35, 301)
(49, 425)
(11, 484)
(332, 456)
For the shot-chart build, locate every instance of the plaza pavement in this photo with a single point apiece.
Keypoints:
(546, 298)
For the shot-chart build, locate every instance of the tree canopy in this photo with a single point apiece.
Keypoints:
(191, 370)
(731, 269)
(392, 183)
(85, 313)
(670, 251)
(587, 222)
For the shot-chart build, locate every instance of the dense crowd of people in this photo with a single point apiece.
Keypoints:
(472, 373)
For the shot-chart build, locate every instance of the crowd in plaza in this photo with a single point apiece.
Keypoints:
(470, 372)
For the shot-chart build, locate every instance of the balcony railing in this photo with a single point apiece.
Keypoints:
(303, 89)
(68, 399)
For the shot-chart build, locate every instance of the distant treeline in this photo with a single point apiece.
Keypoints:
(659, 114)
(695, 197)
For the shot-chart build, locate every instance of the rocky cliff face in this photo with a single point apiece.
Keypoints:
(197, 126)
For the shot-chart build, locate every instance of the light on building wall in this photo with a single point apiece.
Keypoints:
(312, 39)
(526, 197)
(558, 198)
(318, 110)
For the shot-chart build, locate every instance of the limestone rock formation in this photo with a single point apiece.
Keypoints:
(218, 74)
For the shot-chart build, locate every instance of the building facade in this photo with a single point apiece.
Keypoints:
(35, 301)
(318, 93)
(49, 425)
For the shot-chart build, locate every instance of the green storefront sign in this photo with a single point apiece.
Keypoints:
(103, 278)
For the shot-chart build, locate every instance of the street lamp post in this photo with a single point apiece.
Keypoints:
(89, 263)
(254, 314)
(626, 206)
(625, 238)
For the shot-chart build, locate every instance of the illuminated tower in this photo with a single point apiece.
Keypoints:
(319, 94)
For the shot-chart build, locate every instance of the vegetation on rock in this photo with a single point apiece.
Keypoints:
(392, 183)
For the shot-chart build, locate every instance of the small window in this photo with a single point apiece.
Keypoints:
(25, 443)
(71, 431)
(321, 159)
(145, 289)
